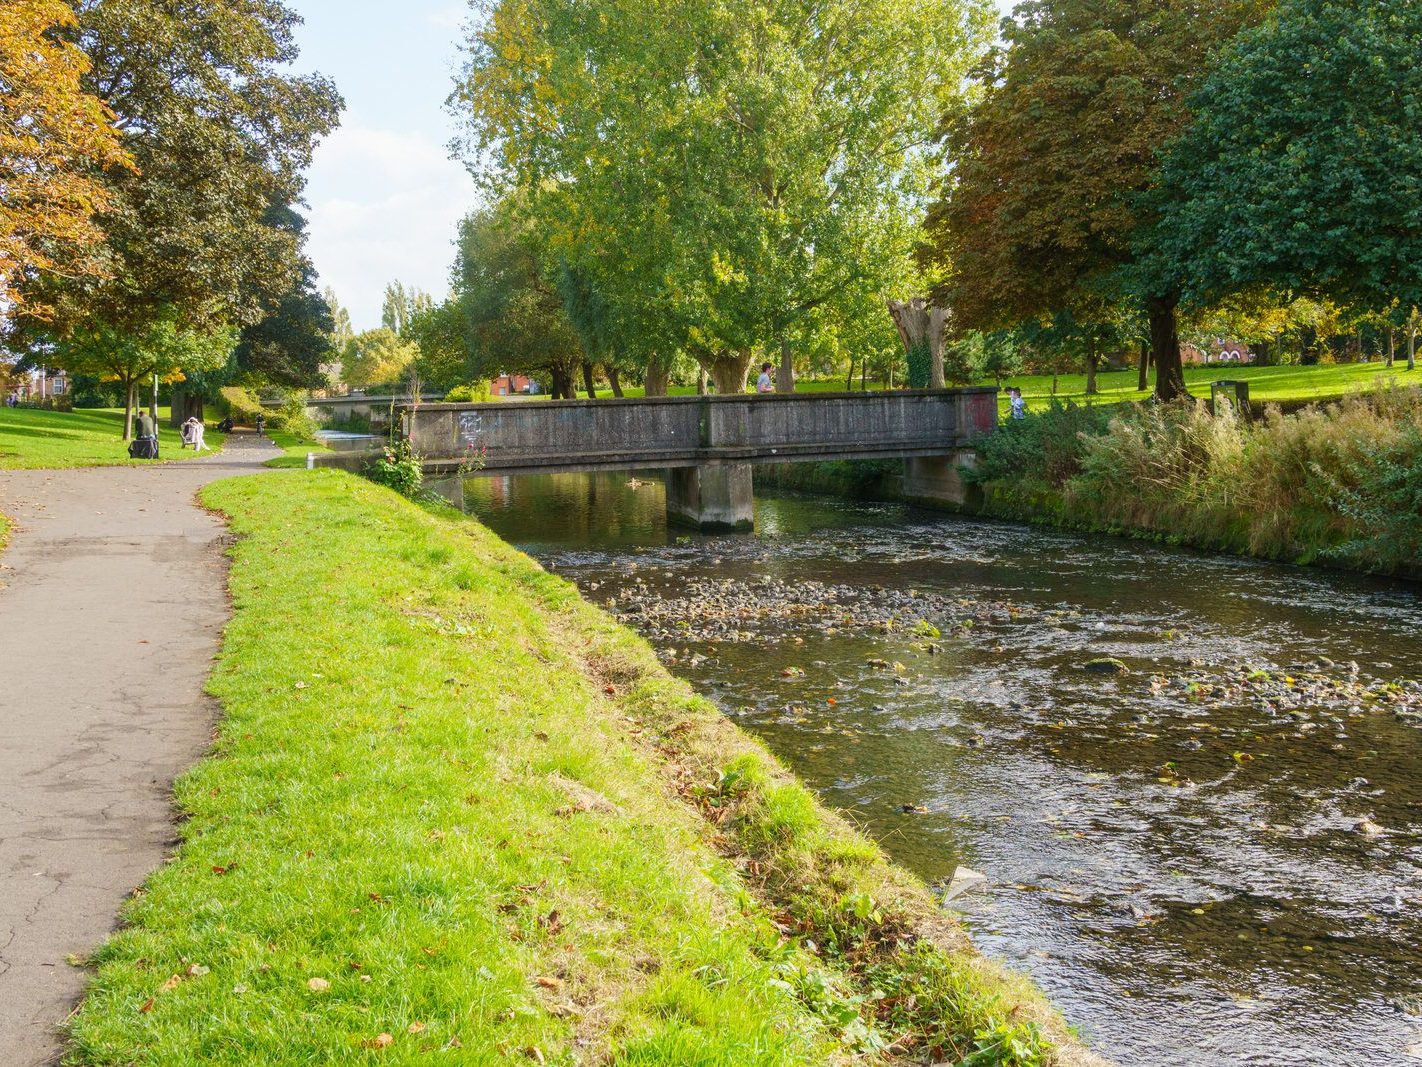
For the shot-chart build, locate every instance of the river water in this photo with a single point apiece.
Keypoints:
(1215, 858)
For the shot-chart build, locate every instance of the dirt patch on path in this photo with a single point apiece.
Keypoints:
(112, 604)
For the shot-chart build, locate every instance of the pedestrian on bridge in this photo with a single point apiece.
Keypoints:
(764, 384)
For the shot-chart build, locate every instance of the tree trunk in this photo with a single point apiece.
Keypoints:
(728, 371)
(562, 384)
(588, 381)
(864, 375)
(1263, 353)
(1391, 348)
(701, 388)
(1091, 389)
(1165, 350)
(1413, 322)
(849, 381)
(655, 379)
(1144, 379)
(785, 374)
(613, 379)
(920, 325)
(130, 403)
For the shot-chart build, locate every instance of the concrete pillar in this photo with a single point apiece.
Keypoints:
(935, 480)
(715, 499)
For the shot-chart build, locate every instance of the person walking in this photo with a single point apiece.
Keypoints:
(1017, 404)
(765, 384)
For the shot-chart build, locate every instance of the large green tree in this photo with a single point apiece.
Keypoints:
(167, 348)
(1041, 212)
(728, 167)
(1303, 172)
(515, 318)
(220, 130)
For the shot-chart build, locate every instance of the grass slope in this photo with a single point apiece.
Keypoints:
(455, 812)
(85, 438)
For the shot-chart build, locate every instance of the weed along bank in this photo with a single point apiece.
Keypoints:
(395, 849)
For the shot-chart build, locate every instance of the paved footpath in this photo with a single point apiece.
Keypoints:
(112, 603)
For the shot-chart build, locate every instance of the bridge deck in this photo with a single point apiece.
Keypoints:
(549, 436)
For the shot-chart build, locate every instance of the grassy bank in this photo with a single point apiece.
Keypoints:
(1340, 484)
(294, 449)
(453, 809)
(84, 438)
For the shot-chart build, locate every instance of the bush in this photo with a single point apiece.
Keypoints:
(398, 468)
(476, 393)
(294, 418)
(1044, 447)
(241, 405)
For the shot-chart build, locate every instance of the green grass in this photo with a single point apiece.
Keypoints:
(83, 438)
(1267, 384)
(294, 450)
(452, 803)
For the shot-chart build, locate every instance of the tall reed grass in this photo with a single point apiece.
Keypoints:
(1341, 483)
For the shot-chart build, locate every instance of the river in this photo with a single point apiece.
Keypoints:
(1215, 858)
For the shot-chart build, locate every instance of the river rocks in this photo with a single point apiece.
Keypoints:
(1105, 665)
(1368, 828)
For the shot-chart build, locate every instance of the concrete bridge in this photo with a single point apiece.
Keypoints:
(708, 443)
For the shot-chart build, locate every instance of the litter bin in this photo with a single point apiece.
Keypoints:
(1233, 393)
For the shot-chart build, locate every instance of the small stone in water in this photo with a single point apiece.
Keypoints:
(1368, 828)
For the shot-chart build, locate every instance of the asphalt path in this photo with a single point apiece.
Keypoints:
(112, 602)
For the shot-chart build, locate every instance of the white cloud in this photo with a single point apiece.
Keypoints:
(447, 18)
(385, 204)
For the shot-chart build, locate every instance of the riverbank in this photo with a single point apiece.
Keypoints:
(32, 439)
(453, 806)
(1337, 485)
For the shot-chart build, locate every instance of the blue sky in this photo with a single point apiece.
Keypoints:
(384, 196)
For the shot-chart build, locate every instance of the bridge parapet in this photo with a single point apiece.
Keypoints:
(699, 430)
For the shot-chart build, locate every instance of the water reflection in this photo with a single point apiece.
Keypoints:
(1180, 855)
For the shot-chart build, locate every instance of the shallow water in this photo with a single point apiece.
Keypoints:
(1213, 859)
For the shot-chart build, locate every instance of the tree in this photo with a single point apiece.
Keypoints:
(401, 305)
(341, 329)
(1040, 212)
(744, 163)
(514, 316)
(438, 333)
(1302, 171)
(220, 132)
(294, 337)
(376, 357)
(167, 348)
(55, 141)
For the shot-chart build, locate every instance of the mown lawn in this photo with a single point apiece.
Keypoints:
(1276, 384)
(84, 438)
(455, 814)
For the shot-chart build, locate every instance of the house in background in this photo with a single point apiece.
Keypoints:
(1221, 351)
(512, 385)
(40, 386)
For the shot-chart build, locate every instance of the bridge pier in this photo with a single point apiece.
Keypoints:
(712, 499)
(937, 480)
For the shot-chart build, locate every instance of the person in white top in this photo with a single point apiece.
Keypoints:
(764, 384)
(192, 435)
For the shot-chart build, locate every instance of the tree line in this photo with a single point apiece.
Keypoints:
(151, 161)
(929, 194)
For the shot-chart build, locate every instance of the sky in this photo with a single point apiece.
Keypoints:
(384, 197)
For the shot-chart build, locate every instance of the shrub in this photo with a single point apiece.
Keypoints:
(398, 468)
(1044, 447)
(476, 393)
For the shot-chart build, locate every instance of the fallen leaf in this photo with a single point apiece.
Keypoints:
(549, 983)
(197, 970)
(318, 985)
(171, 984)
(417, 1028)
(147, 1006)
(381, 1041)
